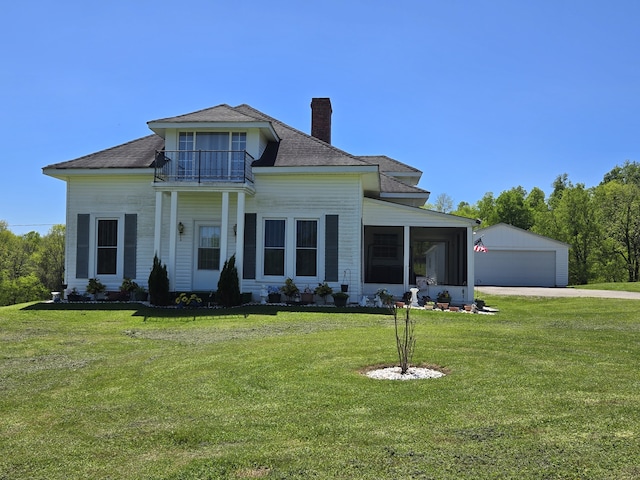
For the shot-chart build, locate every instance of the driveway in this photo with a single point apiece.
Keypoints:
(557, 292)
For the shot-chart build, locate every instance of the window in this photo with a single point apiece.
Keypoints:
(107, 246)
(274, 236)
(384, 254)
(185, 159)
(209, 247)
(306, 248)
(213, 155)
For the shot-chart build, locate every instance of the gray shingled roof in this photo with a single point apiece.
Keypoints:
(391, 185)
(138, 153)
(219, 113)
(295, 149)
(388, 164)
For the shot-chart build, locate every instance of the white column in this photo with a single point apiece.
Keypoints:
(471, 273)
(407, 258)
(240, 236)
(173, 233)
(157, 233)
(224, 228)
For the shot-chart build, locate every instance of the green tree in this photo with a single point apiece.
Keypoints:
(511, 208)
(466, 210)
(619, 209)
(49, 259)
(628, 173)
(577, 224)
(487, 212)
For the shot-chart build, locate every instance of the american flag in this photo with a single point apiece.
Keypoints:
(478, 246)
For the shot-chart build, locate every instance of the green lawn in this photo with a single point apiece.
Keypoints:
(545, 389)
(618, 286)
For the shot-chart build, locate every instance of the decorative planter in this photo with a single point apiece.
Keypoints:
(275, 298)
(468, 308)
(306, 298)
(399, 304)
(454, 309)
(140, 296)
(442, 306)
(340, 301)
(344, 288)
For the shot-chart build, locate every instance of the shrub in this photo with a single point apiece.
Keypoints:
(158, 283)
(228, 293)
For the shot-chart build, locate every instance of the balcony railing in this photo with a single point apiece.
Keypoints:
(203, 166)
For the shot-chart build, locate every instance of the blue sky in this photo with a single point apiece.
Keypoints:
(482, 96)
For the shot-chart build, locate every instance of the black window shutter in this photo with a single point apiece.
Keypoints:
(249, 262)
(130, 244)
(82, 246)
(331, 248)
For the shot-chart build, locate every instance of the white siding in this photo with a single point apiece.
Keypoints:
(111, 196)
(307, 197)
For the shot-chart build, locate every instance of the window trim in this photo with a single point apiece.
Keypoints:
(315, 248)
(93, 243)
(264, 247)
(198, 226)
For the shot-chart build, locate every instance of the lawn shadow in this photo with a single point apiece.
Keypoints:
(148, 312)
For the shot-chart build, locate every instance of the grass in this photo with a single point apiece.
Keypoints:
(547, 388)
(618, 286)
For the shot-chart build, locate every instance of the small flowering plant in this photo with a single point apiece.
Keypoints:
(273, 289)
(385, 295)
(185, 300)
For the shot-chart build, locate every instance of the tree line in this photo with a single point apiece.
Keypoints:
(601, 223)
(31, 265)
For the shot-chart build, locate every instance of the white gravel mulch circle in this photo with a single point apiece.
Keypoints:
(393, 373)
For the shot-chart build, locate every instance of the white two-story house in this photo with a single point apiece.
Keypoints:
(229, 181)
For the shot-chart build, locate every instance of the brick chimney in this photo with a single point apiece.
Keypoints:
(321, 119)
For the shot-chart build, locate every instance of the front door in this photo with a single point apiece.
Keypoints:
(206, 258)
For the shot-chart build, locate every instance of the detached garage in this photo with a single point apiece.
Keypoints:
(519, 258)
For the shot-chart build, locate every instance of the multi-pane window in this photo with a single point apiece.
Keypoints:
(306, 248)
(209, 247)
(274, 243)
(107, 243)
(211, 154)
(185, 159)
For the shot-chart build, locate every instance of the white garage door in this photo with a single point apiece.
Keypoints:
(516, 268)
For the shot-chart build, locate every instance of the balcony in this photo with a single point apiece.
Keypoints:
(203, 166)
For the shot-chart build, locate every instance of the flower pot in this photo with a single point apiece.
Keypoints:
(306, 298)
(399, 304)
(340, 301)
(275, 298)
(344, 288)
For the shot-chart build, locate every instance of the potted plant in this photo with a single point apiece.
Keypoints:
(340, 299)
(289, 289)
(140, 294)
(96, 288)
(307, 296)
(274, 295)
(127, 287)
(74, 296)
(322, 290)
(385, 296)
(444, 299)
(344, 286)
